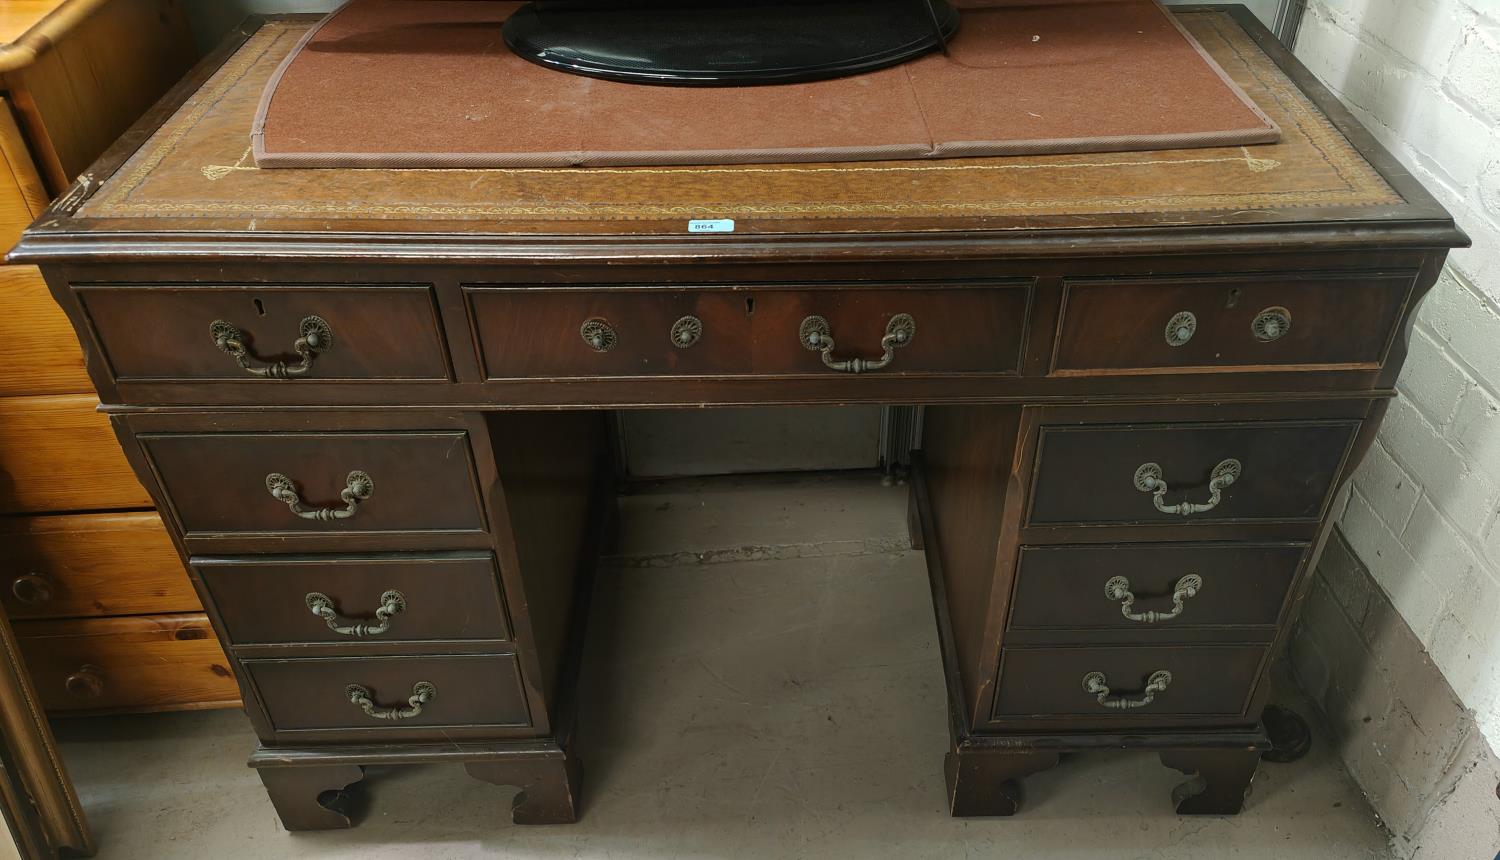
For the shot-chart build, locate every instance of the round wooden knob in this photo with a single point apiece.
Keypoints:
(86, 683)
(32, 589)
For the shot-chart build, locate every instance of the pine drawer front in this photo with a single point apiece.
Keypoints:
(1127, 682)
(317, 482)
(1154, 589)
(58, 453)
(1212, 472)
(91, 565)
(541, 332)
(38, 348)
(1245, 322)
(377, 693)
(139, 663)
(316, 333)
(434, 597)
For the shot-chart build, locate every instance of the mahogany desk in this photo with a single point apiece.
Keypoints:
(370, 405)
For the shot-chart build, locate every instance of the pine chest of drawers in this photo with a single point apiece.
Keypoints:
(104, 612)
(370, 405)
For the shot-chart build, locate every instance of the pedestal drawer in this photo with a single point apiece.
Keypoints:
(1258, 322)
(576, 332)
(91, 564)
(1163, 587)
(332, 482)
(1203, 680)
(449, 691)
(446, 596)
(1211, 472)
(340, 333)
(140, 663)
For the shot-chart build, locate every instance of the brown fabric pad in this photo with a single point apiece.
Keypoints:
(430, 83)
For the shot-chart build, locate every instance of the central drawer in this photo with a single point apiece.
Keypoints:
(448, 596)
(1175, 473)
(317, 482)
(537, 331)
(316, 694)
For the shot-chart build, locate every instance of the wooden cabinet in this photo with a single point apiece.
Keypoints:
(395, 534)
(104, 610)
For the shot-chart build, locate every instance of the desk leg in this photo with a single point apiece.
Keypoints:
(549, 787)
(1221, 779)
(988, 782)
(313, 798)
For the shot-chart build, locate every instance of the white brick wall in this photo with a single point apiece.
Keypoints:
(1424, 75)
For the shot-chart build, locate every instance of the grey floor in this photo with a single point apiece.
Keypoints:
(762, 680)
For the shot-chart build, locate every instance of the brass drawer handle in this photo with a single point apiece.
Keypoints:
(1271, 324)
(1118, 588)
(358, 487)
(816, 336)
(1097, 685)
(316, 338)
(422, 692)
(1148, 479)
(391, 603)
(32, 588)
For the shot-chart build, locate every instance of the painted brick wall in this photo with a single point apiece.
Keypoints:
(1424, 75)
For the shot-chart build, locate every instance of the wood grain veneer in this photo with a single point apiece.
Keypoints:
(82, 565)
(127, 664)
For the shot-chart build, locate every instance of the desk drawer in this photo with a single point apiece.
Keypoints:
(315, 694)
(140, 663)
(1080, 587)
(437, 597)
(91, 564)
(574, 332)
(1039, 683)
(1274, 470)
(58, 453)
(371, 332)
(1265, 322)
(338, 482)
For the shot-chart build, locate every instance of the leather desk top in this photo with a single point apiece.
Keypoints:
(194, 173)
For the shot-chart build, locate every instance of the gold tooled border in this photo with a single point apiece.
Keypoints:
(1363, 186)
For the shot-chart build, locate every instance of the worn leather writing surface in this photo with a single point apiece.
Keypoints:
(197, 168)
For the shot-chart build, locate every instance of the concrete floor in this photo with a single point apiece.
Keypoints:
(762, 681)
